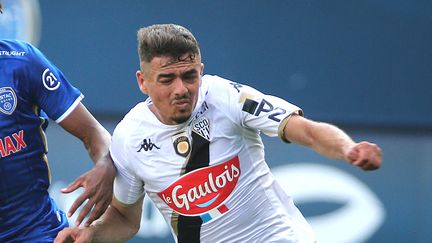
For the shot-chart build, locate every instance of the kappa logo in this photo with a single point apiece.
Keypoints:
(203, 190)
(236, 86)
(202, 127)
(8, 100)
(147, 145)
(49, 80)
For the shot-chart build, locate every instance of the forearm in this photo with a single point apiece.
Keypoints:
(113, 227)
(95, 137)
(97, 142)
(326, 139)
(330, 141)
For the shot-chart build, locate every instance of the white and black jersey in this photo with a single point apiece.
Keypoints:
(208, 176)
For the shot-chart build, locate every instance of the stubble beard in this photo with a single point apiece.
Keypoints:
(182, 117)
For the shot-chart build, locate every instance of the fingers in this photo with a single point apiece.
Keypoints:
(98, 210)
(365, 164)
(73, 186)
(77, 203)
(64, 236)
(97, 184)
(76, 235)
(353, 155)
(84, 211)
(365, 155)
(102, 200)
(98, 201)
(79, 182)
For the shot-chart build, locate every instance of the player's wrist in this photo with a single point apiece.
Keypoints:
(106, 164)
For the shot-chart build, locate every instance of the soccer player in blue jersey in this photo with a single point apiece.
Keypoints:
(32, 90)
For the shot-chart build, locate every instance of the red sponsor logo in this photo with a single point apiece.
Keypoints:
(12, 144)
(201, 190)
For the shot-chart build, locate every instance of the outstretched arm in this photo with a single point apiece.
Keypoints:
(332, 142)
(118, 224)
(97, 182)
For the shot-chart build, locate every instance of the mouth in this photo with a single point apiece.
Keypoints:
(182, 103)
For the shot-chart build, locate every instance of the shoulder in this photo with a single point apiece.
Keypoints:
(139, 122)
(126, 134)
(15, 46)
(130, 122)
(19, 50)
(215, 82)
(218, 89)
(137, 125)
(225, 91)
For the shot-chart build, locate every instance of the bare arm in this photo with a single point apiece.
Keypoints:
(332, 142)
(118, 224)
(98, 181)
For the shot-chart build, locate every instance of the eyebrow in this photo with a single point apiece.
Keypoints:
(188, 72)
(165, 75)
(172, 75)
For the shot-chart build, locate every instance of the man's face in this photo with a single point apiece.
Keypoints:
(172, 87)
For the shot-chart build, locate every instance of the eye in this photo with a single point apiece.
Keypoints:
(165, 81)
(190, 78)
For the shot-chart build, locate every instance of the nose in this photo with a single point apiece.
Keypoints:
(179, 87)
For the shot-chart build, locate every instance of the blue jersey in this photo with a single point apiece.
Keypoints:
(31, 90)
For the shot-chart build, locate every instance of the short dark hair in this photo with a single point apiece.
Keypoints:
(169, 40)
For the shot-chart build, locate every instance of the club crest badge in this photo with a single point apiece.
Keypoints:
(202, 127)
(8, 100)
(181, 144)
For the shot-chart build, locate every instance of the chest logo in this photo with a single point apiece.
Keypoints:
(202, 127)
(8, 100)
(12, 144)
(147, 145)
(202, 190)
(181, 144)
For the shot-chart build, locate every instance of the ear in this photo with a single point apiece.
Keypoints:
(141, 81)
(202, 69)
(201, 73)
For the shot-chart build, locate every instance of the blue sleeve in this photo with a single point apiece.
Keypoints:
(48, 87)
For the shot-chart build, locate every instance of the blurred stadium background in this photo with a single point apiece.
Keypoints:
(363, 65)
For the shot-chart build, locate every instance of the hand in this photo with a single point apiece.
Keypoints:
(98, 189)
(365, 155)
(77, 235)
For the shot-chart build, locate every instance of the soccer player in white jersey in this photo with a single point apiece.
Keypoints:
(194, 148)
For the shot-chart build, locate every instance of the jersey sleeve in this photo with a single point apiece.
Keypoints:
(48, 87)
(255, 110)
(266, 113)
(128, 188)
